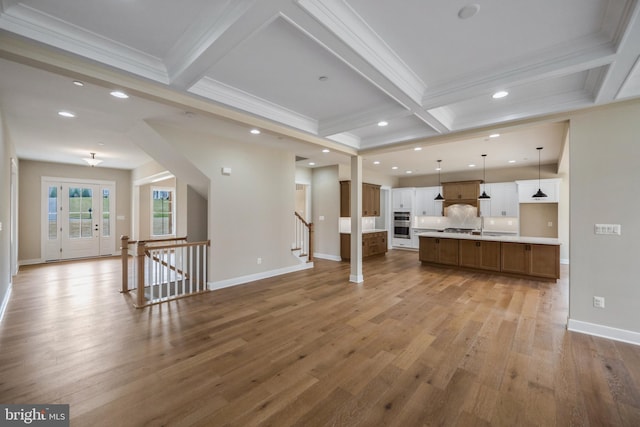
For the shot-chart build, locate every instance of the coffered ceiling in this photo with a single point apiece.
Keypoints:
(334, 69)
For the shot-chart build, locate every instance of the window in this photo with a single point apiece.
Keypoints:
(80, 213)
(52, 212)
(106, 213)
(162, 211)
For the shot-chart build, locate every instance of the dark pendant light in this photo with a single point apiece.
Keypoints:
(484, 195)
(439, 196)
(539, 194)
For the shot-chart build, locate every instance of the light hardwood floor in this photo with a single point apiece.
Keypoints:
(411, 346)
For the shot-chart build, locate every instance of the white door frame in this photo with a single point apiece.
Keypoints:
(107, 245)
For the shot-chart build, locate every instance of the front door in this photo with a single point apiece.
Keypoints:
(78, 220)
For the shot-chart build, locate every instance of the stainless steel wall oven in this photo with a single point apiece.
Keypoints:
(402, 225)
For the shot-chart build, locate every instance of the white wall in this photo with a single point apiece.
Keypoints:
(605, 177)
(6, 153)
(325, 202)
(251, 211)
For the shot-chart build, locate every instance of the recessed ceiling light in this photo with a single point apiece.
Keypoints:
(382, 123)
(500, 94)
(377, 162)
(438, 168)
(78, 83)
(394, 167)
(494, 135)
(468, 11)
(255, 131)
(472, 165)
(417, 149)
(326, 150)
(512, 161)
(312, 164)
(119, 94)
(409, 172)
(66, 114)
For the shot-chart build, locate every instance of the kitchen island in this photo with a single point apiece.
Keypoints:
(531, 257)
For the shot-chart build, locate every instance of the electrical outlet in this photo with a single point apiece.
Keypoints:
(259, 260)
(598, 302)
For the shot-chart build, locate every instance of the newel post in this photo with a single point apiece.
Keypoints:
(310, 242)
(140, 253)
(124, 250)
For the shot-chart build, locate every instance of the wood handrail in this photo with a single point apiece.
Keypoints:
(133, 242)
(302, 220)
(181, 245)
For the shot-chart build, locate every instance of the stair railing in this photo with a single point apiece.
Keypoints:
(303, 237)
(164, 271)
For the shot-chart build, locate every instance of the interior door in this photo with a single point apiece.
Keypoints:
(78, 220)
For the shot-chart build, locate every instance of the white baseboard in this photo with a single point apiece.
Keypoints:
(5, 301)
(564, 261)
(327, 257)
(30, 261)
(221, 284)
(615, 334)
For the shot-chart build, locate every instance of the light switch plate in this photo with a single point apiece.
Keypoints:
(615, 229)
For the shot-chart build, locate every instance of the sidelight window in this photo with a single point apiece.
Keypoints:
(162, 211)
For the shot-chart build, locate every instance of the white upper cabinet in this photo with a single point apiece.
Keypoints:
(425, 205)
(551, 187)
(402, 199)
(503, 201)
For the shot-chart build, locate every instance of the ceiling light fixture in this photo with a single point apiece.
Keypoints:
(512, 161)
(326, 150)
(377, 162)
(539, 194)
(417, 149)
(500, 94)
(472, 165)
(484, 195)
(409, 171)
(312, 164)
(119, 94)
(382, 123)
(439, 196)
(92, 160)
(494, 135)
(394, 167)
(78, 83)
(68, 114)
(255, 131)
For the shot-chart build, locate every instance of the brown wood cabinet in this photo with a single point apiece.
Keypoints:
(531, 260)
(461, 190)
(484, 255)
(437, 250)
(374, 243)
(538, 261)
(370, 199)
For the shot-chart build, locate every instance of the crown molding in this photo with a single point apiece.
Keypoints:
(219, 92)
(347, 25)
(30, 23)
(360, 119)
(348, 139)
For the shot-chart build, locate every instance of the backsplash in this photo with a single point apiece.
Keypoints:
(505, 224)
(368, 223)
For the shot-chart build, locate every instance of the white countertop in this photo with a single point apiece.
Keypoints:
(375, 230)
(514, 239)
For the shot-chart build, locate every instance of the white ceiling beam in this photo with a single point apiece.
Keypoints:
(627, 54)
(525, 72)
(360, 119)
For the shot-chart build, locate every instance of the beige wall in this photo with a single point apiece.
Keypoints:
(250, 211)
(368, 176)
(536, 217)
(196, 214)
(604, 189)
(30, 176)
(325, 202)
